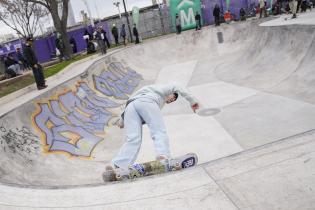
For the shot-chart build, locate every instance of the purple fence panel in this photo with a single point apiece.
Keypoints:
(10, 47)
(42, 49)
(78, 37)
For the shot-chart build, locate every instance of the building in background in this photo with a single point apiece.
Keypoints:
(71, 19)
(7, 37)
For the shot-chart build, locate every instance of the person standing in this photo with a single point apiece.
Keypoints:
(100, 40)
(105, 38)
(36, 67)
(299, 3)
(136, 33)
(198, 21)
(178, 24)
(216, 15)
(242, 14)
(293, 7)
(123, 33)
(115, 33)
(262, 7)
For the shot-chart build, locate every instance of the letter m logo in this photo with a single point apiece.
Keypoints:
(186, 10)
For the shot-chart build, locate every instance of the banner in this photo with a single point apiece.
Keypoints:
(186, 10)
(228, 2)
(135, 16)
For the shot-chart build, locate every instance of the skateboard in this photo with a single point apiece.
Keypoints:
(150, 168)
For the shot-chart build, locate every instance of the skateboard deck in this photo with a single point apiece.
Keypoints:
(150, 168)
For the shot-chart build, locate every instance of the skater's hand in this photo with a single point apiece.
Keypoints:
(120, 124)
(36, 66)
(194, 107)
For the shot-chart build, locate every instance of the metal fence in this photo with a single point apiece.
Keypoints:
(153, 21)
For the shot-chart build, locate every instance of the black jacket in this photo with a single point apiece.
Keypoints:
(30, 56)
(9, 62)
(115, 31)
(135, 31)
(197, 17)
(216, 12)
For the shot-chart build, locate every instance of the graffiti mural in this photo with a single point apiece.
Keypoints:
(73, 122)
(117, 81)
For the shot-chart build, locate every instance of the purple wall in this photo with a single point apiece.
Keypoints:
(10, 47)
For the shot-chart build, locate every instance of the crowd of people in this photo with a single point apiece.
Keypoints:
(18, 63)
(279, 7)
(100, 37)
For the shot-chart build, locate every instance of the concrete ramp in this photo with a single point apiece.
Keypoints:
(254, 133)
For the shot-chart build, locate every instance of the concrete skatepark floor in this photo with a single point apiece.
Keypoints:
(254, 134)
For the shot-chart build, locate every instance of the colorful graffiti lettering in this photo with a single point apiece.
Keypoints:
(117, 81)
(74, 122)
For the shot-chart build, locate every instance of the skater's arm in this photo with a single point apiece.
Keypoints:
(175, 88)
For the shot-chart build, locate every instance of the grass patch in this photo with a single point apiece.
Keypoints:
(24, 81)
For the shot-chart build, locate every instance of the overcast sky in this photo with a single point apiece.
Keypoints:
(99, 8)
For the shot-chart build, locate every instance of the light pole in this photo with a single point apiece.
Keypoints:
(117, 5)
(128, 23)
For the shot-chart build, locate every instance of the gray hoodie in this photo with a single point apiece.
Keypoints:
(159, 93)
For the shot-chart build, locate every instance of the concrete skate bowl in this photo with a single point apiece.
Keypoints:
(256, 85)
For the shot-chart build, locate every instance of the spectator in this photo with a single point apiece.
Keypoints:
(178, 24)
(303, 6)
(9, 73)
(123, 33)
(36, 67)
(293, 7)
(276, 8)
(12, 65)
(198, 21)
(115, 33)
(242, 14)
(86, 37)
(299, 3)
(136, 33)
(100, 40)
(216, 14)
(73, 44)
(105, 38)
(60, 46)
(21, 60)
(262, 7)
(227, 17)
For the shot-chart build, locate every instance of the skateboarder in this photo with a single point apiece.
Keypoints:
(144, 107)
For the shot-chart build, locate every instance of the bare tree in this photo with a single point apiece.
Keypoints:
(60, 20)
(22, 16)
